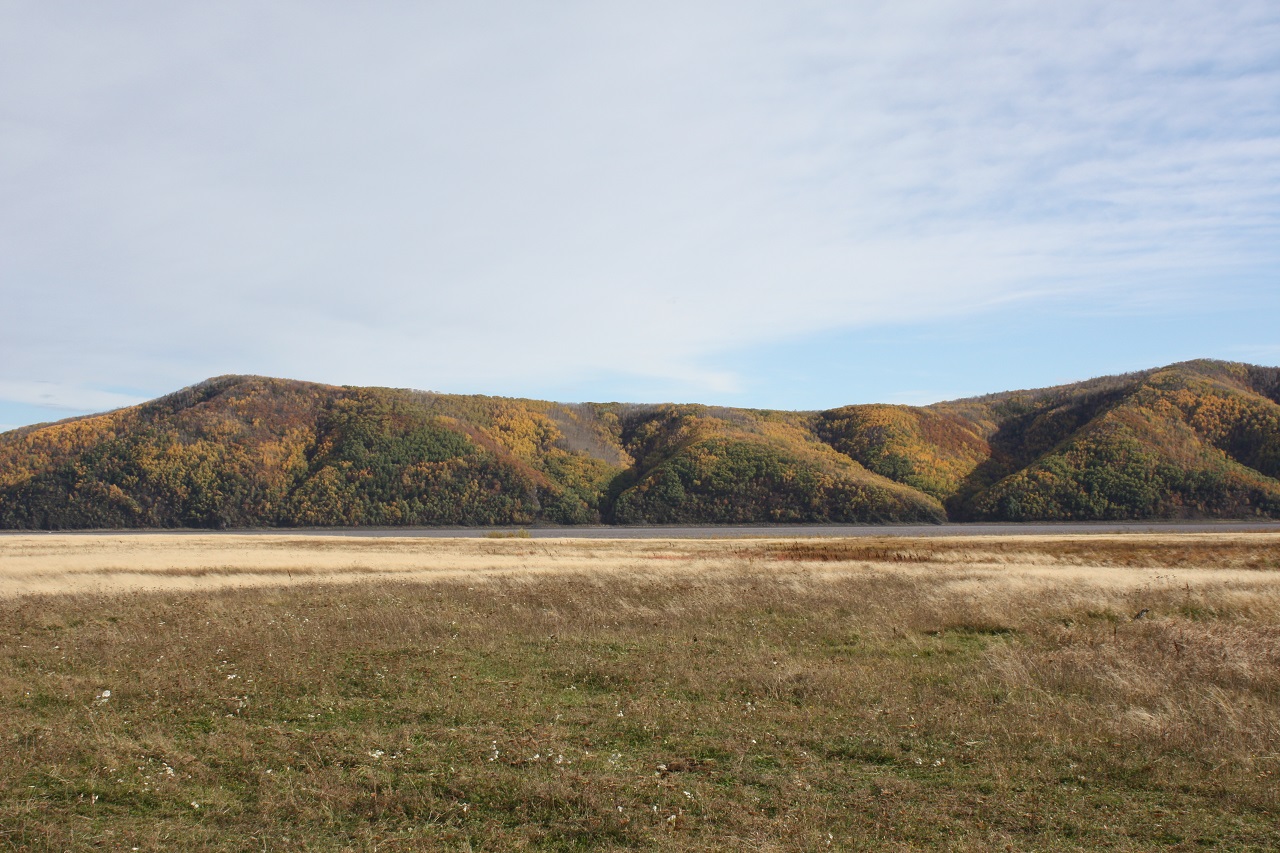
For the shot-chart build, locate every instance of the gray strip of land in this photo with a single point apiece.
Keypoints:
(739, 532)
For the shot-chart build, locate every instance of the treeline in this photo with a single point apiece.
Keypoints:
(1200, 439)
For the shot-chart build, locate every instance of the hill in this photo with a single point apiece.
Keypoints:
(1198, 439)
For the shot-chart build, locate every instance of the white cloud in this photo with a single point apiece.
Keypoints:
(58, 396)
(453, 197)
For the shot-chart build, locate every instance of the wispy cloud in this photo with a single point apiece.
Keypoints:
(66, 398)
(1269, 353)
(480, 196)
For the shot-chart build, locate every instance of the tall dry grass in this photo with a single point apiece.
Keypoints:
(716, 696)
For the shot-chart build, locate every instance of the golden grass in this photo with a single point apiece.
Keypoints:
(31, 564)
(332, 693)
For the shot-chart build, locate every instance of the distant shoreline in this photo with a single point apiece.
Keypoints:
(975, 528)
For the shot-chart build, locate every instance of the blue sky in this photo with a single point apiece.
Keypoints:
(794, 205)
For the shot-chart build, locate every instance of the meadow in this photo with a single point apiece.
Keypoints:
(221, 692)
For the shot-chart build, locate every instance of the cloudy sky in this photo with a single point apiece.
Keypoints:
(786, 204)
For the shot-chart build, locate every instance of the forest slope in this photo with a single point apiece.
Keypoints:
(1198, 439)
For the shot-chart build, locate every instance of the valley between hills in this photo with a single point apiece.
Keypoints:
(1198, 439)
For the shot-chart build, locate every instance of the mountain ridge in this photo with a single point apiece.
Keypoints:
(1197, 439)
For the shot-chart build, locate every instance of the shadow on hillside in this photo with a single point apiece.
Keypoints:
(1027, 431)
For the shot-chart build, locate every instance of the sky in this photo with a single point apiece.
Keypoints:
(791, 205)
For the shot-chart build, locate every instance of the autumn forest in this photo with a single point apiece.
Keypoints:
(1194, 440)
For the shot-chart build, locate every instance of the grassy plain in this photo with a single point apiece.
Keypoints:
(311, 693)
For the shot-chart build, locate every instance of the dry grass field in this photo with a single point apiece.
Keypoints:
(1117, 692)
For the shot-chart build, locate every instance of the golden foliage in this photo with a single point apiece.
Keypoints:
(1201, 438)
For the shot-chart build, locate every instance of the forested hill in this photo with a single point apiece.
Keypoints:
(1198, 439)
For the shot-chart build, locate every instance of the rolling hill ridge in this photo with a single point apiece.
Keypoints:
(1193, 440)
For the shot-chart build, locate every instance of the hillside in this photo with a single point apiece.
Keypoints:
(1198, 439)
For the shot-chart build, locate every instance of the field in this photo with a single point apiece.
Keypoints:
(1116, 692)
